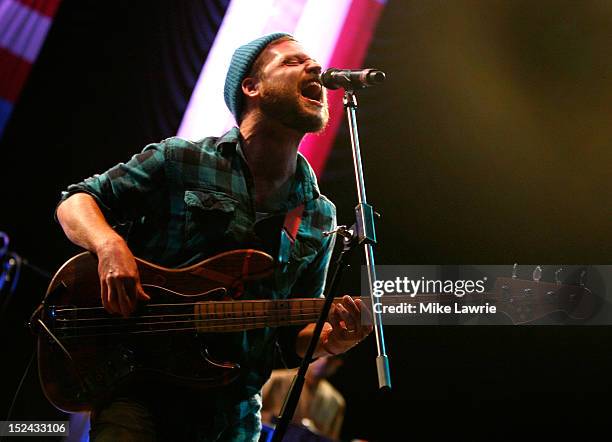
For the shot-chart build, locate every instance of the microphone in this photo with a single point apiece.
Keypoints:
(351, 79)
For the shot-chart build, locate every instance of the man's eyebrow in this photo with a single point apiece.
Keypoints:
(299, 55)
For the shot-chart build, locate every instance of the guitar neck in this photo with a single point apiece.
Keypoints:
(232, 316)
(72, 309)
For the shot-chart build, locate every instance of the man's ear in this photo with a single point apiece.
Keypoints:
(250, 87)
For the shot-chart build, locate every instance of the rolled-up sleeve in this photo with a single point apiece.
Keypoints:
(125, 191)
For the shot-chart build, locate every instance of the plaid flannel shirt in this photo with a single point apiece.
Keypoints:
(178, 202)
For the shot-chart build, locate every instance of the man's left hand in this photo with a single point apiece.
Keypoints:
(345, 326)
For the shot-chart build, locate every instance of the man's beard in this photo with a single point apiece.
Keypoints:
(285, 106)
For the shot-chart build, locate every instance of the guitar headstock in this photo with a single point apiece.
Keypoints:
(528, 300)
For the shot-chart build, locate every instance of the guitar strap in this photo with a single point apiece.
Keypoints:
(293, 219)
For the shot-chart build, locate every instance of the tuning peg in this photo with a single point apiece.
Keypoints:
(514, 270)
(583, 277)
(537, 274)
(557, 275)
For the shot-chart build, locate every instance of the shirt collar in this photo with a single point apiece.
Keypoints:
(306, 178)
(305, 186)
(229, 140)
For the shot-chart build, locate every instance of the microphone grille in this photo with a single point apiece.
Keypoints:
(327, 79)
(376, 76)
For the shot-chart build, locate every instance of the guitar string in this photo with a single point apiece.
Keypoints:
(222, 303)
(203, 310)
(246, 301)
(210, 317)
(239, 323)
(236, 323)
(210, 329)
(232, 321)
(401, 298)
(291, 301)
(245, 319)
(191, 316)
(242, 317)
(245, 313)
(190, 306)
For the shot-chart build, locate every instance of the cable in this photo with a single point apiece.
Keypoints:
(23, 378)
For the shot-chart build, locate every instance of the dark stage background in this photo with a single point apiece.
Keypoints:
(488, 144)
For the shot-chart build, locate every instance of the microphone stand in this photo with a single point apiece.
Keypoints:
(366, 236)
(362, 232)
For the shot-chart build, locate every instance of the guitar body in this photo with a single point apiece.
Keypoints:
(86, 354)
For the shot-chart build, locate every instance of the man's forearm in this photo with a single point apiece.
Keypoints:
(84, 224)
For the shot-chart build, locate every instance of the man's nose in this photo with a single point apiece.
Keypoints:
(313, 67)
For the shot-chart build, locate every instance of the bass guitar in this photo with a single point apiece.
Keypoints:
(85, 353)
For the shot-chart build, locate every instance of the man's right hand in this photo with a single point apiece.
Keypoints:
(85, 225)
(119, 278)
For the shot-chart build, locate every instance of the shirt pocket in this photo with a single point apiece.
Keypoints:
(209, 215)
(303, 253)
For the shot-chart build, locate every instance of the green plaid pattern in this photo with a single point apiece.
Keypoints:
(161, 195)
(179, 201)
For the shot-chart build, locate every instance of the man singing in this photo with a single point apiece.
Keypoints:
(179, 201)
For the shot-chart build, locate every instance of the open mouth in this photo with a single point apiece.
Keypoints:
(312, 91)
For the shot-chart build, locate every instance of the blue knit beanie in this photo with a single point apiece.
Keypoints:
(239, 68)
